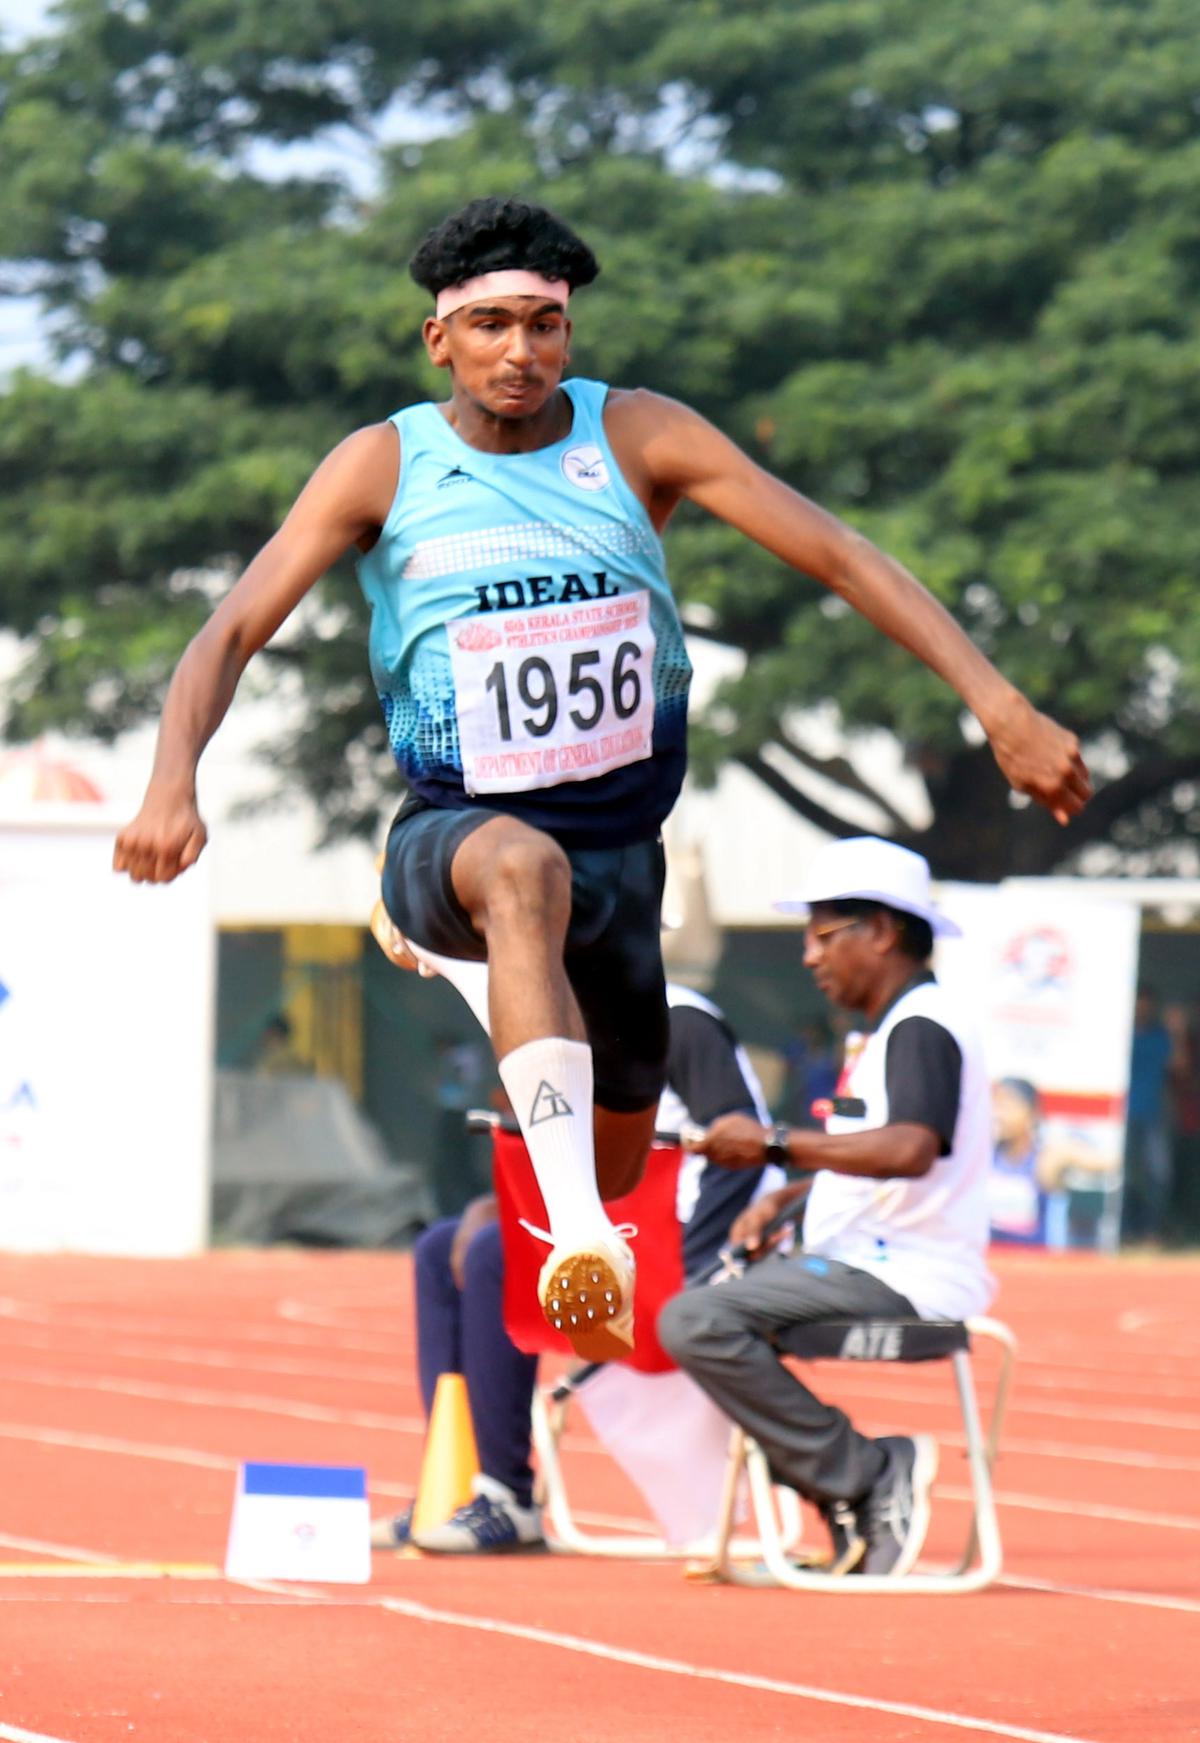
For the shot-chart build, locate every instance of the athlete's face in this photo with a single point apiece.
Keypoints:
(506, 355)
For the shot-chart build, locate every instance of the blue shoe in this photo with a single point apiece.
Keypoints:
(393, 1531)
(490, 1524)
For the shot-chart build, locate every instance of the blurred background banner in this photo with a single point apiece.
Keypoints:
(106, 1005)
(1051, 977)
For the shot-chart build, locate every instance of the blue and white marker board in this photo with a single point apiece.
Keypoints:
(300, 1522)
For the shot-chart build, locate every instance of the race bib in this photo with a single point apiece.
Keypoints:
(544, 696)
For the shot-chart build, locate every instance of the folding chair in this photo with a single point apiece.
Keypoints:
(908, 1340)
(651, 1206)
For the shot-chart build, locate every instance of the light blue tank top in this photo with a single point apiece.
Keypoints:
(524, 639)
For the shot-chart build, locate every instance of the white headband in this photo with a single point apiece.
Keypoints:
(500, 284)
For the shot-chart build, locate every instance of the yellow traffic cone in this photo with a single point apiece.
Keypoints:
(450, 1462)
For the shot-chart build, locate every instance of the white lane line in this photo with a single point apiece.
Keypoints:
(136, 1449)
(1074, 1509)
(418, 1612)
(1147, 1600)
(193, 1356)
(261, 1404)
(730, 1678)
(64, 1551)
(295, 1409)
(14, 1734)
(328, 1318)
(1100, 1455)
(11, 1308)
(1185, 1422)
(199, 1326)
(1141, 1387)
(1121, 1457)
(214, 1461)
(612, 1521)
(1136, 1319)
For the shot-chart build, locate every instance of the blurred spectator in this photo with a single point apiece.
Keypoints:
(1156, 1057)
(460, 1068)
(1045, 1187)
(1018, 1202)
(1185, 1109)
(812, 1073)
(278, 1055)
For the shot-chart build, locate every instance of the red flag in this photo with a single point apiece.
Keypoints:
(657, 1247)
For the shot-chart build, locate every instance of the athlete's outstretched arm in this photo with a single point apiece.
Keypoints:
(682, 455)
(348, 495)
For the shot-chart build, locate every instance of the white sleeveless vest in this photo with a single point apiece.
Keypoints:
(926, 1238)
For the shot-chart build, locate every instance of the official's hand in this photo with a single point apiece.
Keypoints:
(1042, 759)
(747, 1230)
(478, 1214)
(165, 838)
(733, 1141)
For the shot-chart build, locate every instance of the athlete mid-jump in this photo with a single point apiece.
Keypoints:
(532, 671)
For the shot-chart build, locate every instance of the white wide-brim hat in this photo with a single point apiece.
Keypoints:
(866, 869)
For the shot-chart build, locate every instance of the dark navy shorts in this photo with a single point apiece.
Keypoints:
(613, 953)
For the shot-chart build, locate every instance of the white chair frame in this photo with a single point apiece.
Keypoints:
(981, 1560)
(564, 1534)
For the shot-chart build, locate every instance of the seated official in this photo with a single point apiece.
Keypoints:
(896, 1222)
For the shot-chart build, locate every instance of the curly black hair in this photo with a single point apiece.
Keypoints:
(495, 235)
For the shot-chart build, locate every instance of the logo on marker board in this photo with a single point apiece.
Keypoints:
(585, 467)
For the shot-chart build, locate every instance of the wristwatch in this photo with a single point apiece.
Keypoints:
(776, 1147)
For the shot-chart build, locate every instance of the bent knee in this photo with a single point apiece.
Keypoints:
(431, 1249)
(483, 1266)
(527, 873)
(683, 1321)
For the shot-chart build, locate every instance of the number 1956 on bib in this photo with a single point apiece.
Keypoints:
(555, 695)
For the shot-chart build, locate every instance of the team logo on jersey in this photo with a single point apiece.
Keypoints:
(548, 1104)
(585, 467)
(477, 638)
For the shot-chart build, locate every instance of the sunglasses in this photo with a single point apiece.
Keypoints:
(819, 934)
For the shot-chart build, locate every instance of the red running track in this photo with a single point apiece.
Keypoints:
(130, 1392)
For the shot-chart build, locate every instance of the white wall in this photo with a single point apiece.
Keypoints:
(106, 1015)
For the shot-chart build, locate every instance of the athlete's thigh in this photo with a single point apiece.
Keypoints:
(616, 972)
(418, 888)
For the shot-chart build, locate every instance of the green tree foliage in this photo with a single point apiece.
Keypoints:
(937, 265)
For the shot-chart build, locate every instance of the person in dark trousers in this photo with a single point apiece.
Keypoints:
(896, 1219)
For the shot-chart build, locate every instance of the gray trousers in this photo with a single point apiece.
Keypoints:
(729, 1337)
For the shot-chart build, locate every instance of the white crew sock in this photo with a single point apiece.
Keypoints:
(549, 1084)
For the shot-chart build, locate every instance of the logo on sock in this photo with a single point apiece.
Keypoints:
(548, 1104)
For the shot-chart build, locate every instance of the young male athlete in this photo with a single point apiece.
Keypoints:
(532, 671)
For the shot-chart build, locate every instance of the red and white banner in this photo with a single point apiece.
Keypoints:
(1050, 975)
